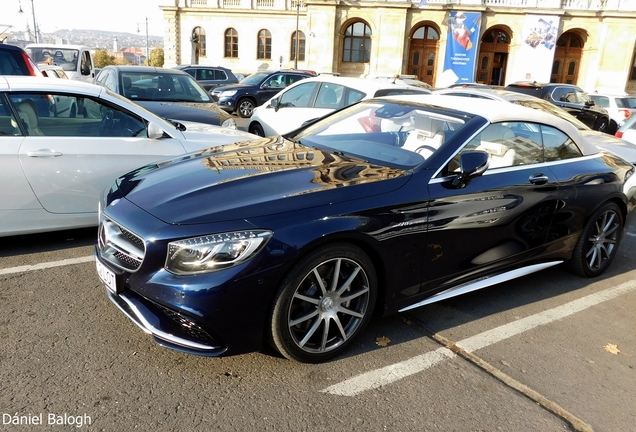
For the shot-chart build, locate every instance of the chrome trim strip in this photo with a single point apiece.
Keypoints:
(141, 321)
(482, 283)
(518, 167)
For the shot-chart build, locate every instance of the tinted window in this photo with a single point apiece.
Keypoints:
(299, 96)
(330, 96)
(354, 96)
(12, 63)
(557, 145)
(50, 115)
(8, 124)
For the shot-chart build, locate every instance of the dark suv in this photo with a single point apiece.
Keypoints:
(254, 90)
(210, 76)
(572, 99)
(15, 61)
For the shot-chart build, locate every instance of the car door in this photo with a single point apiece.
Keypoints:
(506, 212)
(568, 99)
(270, 87)
(15, 194)
(68, 162)
(294, 107)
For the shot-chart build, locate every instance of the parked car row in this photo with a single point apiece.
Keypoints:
(381, 203)
(316, 97)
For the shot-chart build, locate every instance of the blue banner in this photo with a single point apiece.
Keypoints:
(461, 48)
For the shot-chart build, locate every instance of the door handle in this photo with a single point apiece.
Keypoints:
(538, 179)
(44, 153)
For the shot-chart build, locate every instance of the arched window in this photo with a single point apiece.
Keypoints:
(301, 46)
(231, 43)
(198, 39)
(357, 43)
(264, 47)
(426, 32)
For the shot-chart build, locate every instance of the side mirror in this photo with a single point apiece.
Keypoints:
(275, 103)
(471, 164)
(154, 131)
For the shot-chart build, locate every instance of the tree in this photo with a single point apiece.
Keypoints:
(102, 58)
(156, 57)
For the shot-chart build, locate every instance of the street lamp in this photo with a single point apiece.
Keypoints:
(35, 26)
(147, 53)
(297, 50)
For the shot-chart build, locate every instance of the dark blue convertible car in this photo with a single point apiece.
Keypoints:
(381, 207)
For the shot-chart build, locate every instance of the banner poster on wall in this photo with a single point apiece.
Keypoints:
(461, 48)
(537, 50)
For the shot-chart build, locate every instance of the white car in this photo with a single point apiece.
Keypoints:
(54, 169)
(316, 97)
(619, 107)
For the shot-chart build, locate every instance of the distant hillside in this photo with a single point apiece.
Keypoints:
(94, 38)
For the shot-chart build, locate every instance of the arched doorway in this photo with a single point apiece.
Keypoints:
(197, 40)
(493, 56)
(567, 58)
(424, 44)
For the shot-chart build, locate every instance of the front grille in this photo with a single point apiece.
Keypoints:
(119, 246)
(188, 328)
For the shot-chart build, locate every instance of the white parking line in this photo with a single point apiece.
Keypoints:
(389, 374)
(50, 264)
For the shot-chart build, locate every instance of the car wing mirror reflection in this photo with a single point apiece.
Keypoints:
(154, 131)
(471, 164)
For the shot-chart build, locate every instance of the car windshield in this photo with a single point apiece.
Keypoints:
(160, 86)
(254, 79)
(64, 57)
(391, 133)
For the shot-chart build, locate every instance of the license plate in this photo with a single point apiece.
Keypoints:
(107, 276)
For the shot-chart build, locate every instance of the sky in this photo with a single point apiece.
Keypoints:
(111, 15)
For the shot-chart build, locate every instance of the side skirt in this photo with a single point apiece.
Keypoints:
(482, 283)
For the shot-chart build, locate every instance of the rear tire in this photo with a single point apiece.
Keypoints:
(315, 315)
(599, 241)
(601, 125)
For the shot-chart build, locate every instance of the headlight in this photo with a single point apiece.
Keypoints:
(227, 93)
(229, 123)
(214, 252)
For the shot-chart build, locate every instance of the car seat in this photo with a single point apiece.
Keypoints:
(426, 137)
(327, 99)
(492, 142)
(28, 115)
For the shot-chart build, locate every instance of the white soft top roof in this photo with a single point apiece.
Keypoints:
(498, 111)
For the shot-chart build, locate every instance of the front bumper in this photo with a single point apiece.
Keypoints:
(169, 328)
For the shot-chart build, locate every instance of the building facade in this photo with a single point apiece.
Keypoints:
(590, 43)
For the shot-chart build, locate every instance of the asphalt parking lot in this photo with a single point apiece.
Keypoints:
(549, 352)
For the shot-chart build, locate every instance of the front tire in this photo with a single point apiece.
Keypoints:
(245, 108)
(323, 304)
(257, 129)
(599, 241)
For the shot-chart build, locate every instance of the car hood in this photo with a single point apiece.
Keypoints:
(252, 179)
(196, 131)
(611, 143)
(203, 112)
(228, 87)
